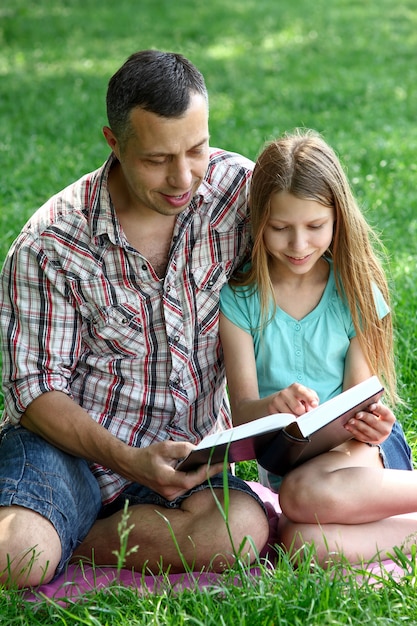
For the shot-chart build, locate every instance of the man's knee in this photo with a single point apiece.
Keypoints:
(250, 519)
(241, 520)
(30, 548)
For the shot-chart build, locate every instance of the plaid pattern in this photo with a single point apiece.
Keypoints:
(84, 313)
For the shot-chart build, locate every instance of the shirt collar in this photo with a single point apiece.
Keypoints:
(103, 220)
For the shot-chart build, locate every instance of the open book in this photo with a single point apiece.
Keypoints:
(282, 441)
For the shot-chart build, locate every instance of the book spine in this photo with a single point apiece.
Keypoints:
(282, 453)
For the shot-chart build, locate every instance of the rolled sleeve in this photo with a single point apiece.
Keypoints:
(37, 356)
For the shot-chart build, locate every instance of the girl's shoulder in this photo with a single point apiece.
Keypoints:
(238, 285)
(340, 297)
(240, 296)
(241, 304)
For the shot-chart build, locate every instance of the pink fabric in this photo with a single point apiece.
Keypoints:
(80, 579)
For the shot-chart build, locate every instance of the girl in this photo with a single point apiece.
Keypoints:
(306, 319)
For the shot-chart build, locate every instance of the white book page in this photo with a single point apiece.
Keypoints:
(333, 408)
(256, 427)
(308, 423)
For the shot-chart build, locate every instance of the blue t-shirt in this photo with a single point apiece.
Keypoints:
(310, 351)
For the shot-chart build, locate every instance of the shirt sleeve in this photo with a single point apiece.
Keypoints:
(38, 355)
(381, 306)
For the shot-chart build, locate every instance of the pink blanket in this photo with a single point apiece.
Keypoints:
(79, 579)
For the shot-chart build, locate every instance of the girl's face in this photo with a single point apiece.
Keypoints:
(298, 232)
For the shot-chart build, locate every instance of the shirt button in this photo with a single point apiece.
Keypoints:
(298, 353)
(125, 321)
(145, 268)
(297, 327)
(176, 338)
(168, 289)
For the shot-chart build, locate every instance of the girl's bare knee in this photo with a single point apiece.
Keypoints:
(295, 496)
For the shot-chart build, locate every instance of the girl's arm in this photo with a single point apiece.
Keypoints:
(373, 426)
(242, 381)
(356, 365)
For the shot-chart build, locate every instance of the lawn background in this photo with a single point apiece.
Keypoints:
(346, 68)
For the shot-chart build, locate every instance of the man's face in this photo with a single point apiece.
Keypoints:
(165, 159)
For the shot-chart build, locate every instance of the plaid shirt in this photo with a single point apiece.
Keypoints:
(84, 313)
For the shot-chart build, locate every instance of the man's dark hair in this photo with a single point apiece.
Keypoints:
(159, 82)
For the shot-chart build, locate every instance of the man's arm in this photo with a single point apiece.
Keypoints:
(60, 421)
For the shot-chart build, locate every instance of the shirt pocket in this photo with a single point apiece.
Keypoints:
(208, 281)
(116, 330)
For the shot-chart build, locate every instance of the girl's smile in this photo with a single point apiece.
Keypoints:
(298, 260)
(299, 231)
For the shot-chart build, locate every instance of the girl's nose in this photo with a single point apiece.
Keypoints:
(298, 239)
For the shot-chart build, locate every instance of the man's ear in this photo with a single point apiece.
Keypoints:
(111, 139)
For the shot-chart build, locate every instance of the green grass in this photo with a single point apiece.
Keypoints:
(280, 596)
(344, 67)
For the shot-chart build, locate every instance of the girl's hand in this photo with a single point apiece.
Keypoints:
(373, 425)
(295, 399)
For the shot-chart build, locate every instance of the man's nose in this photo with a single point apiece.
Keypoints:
(180, 174)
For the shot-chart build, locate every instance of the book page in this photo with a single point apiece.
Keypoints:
(259, 426)
(350, 401)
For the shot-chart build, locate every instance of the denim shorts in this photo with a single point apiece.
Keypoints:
(58, 486)
(61, 487)
(395, 451)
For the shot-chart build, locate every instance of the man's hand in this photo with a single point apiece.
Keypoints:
(373, 425)
(156, 469)
(59, 420)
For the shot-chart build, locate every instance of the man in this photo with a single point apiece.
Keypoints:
(112, 366)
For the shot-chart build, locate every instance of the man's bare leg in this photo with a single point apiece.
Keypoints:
(199, 530)
(30, 548)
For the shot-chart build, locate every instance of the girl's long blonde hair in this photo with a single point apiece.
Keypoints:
(303, 164)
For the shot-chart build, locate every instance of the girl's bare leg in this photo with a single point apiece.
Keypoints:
(347, 484)
(356, 542)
